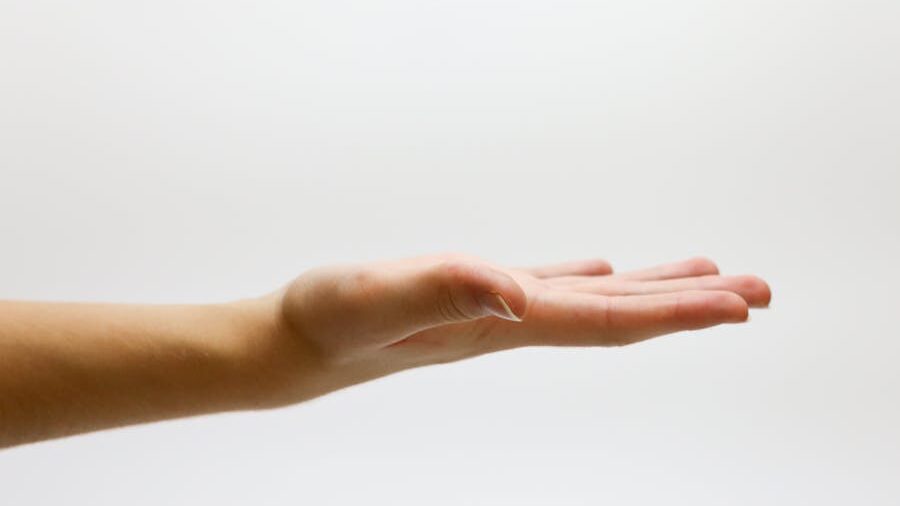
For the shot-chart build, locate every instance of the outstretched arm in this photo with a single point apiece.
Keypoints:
(70, 368)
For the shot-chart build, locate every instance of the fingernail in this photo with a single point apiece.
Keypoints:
(497, 306)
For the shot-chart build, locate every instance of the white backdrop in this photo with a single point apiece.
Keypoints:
(199, 151)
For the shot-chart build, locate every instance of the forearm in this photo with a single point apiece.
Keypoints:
(69, 368)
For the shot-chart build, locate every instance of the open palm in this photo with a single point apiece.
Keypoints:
(373, 319)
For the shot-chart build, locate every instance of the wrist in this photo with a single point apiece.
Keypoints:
(273, 364)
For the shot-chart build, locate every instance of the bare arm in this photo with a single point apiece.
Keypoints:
(70, 368)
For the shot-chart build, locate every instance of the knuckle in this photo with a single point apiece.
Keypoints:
(449, 306)
(457, 273)
(457, 282)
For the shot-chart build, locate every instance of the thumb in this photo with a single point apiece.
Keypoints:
(453, 291)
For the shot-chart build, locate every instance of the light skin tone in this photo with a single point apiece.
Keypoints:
(69, 368)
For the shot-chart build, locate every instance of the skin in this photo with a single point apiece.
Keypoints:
(70, 368)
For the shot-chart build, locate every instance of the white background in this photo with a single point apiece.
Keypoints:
(182, 151)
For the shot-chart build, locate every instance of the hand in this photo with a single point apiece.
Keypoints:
(350, 324)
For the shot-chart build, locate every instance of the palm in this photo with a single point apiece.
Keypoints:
(584, 304)
(360, 322)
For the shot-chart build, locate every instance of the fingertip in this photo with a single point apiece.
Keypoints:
(754, 290)
(763, 293)
(599, 266)
(743, 313)
(496, 291)
(508, 289)
(767, 294)
(497, 305)
(513, 295)
(701, 265)
(705, 308)
(733, 307)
